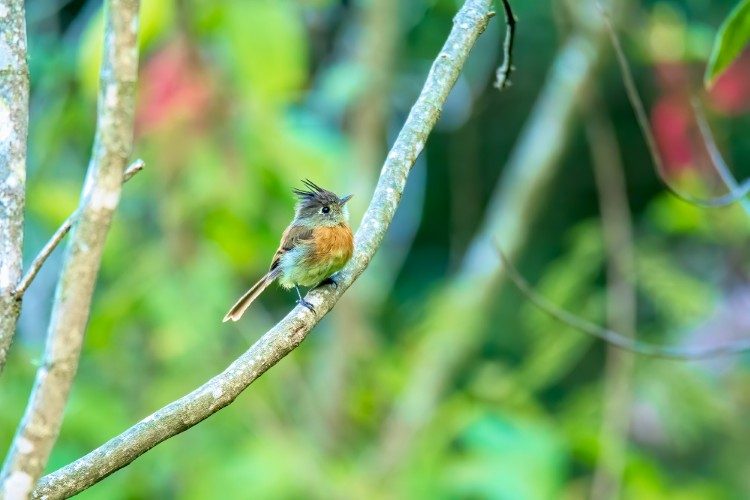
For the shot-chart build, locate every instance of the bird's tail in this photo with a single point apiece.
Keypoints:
(239, 308)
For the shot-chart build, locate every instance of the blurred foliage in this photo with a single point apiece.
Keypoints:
(240, 99)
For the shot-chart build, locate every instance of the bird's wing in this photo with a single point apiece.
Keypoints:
(293, 236)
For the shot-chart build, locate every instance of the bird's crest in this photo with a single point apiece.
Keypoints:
(315, 194)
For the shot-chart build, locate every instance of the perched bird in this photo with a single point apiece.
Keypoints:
(317, 243)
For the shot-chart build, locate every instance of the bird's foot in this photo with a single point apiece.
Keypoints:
(306, 304)
(328, 281)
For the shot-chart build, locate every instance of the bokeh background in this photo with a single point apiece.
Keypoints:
(238, 100)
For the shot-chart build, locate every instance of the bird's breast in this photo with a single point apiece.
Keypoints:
(329, 249)
(333, 243)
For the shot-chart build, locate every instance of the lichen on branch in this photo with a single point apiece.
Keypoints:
(113, 141)
(14, 120)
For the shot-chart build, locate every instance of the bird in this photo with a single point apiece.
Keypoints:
(317, 244)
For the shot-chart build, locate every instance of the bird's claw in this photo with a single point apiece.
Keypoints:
(306, 304)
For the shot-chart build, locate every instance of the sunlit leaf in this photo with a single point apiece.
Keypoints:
(732, 38)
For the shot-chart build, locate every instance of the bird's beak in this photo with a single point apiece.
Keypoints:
(346, 198)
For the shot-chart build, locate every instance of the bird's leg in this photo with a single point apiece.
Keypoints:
(328, 281)
(302, 301)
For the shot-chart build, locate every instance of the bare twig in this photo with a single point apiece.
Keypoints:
(220, 391)
(635, 100)
(14, 120)
(621, 297)
(41, 423)
(716, 158)
(505, 70)
(54, 241)
(610, 336)
(133, 169)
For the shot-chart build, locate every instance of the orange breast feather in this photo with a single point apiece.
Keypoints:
(333, 243)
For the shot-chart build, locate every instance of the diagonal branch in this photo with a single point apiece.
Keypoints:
(41, 423)
(14, 120)
(221, 390)
(54, 241)
(612, 337)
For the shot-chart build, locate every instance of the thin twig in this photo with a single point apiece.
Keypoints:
(38, 430)
(221, 390)
(635, 100)
(505, 70)
(716, 158)
(610, 336)
(133, 169)
(54, 241)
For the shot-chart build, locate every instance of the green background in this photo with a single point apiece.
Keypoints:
(240, 99)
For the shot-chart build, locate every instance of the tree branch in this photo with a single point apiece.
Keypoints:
(14, 121)
(40, 426)
(54, 241)
(221, 390)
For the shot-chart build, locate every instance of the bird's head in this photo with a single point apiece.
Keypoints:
(319, 207)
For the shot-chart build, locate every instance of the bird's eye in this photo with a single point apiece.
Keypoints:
(325, 210)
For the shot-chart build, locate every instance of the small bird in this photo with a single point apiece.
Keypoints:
(317, 244)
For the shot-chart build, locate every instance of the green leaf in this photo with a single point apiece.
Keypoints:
(732, 38)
